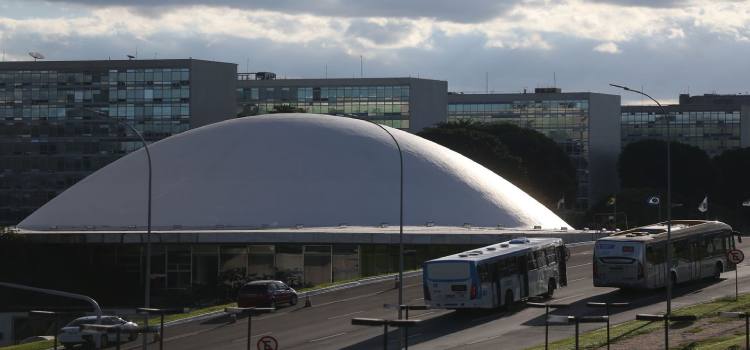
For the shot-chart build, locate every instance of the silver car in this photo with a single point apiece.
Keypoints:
(71, 334)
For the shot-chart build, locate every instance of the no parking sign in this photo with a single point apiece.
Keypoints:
(268, 343)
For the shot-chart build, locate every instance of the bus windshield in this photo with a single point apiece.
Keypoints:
(448, 271)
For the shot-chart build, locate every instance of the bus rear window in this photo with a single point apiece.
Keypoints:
(448, 271)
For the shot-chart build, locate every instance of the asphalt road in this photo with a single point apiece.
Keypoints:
(327, 325)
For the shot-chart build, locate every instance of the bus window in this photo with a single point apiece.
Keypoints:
(655, 254)
(484, 275)
(707, 247)
(512, 266)
(551, 257)
(728, 240)
(719, 249)
(541, 258)
(680, 250)
(502, 268)
(493, 272)
(530, 262)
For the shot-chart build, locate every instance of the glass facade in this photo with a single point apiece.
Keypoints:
(565, 121)
(49, 142)
(710, 130)
(387, 105)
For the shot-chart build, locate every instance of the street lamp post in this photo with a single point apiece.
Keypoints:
(669, 197)
(401, 219)
(148, 235)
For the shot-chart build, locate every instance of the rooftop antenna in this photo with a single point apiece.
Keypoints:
(130, 57)
(487, 83)
(247, 66)
(326, 71)
(3, 56)
(554, 78)
(136, 52)
(155, 53)
(36, 56)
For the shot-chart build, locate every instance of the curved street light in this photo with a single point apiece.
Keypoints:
(401, 217)
(669, 197)
(148, 236)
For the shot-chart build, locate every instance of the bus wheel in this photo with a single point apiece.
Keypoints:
(508, 300)
(550, 289)
(717, 272)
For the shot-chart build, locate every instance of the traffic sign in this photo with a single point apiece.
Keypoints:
(268, 343)
(735, 256)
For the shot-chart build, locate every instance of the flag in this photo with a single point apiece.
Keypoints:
(560, 202)
(704, 205)
(610, 202)
(746, 203)
(653, 200)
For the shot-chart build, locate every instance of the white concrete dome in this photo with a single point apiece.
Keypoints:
(286, 169)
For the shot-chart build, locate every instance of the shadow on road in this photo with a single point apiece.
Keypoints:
(458, 321)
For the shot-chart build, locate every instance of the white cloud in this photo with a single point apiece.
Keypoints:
(608, 47)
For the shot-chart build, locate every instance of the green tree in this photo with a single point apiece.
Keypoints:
(525, 157)
(733, 168)
(480, 147)
(550, 169)
(644, 164)
(285, 109)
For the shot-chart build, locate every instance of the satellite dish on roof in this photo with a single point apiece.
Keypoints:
(36, 55)
(131, 57)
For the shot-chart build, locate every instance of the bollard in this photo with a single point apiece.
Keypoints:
(232, 318)
(157, 337)
(308, 302)
(398, 283)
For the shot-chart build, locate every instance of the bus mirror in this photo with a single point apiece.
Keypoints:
(567, 253)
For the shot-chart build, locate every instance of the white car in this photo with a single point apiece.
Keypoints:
(71, 334)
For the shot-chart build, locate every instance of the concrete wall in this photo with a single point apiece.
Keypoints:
(604, 145)
(213, 92)
(745, 126)
(428, 104)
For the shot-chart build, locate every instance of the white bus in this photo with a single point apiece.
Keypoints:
(496, 275)
(637, 258)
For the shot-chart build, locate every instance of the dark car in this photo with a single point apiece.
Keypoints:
(266, 294)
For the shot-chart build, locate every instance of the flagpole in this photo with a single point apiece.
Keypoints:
(615, 213)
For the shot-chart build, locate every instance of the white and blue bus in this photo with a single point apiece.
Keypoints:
(496, 275)
(637, 258)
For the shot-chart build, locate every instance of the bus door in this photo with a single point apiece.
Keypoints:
(562, 260)
(523, 272)
(495, 281)
(533, 272)
(656, 258)
(695, 258)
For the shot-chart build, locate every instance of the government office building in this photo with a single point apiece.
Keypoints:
(713, 123)
(585, 124)
(49, 140)
(409, 104)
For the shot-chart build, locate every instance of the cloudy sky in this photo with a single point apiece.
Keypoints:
(665, 47)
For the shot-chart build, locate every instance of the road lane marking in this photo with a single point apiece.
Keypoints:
(412, 285)
(426, 313)
(349, 314)
(570, 267)
(579, 279)
(485, 339)
(330, 336)
(255, 336)
(417, 299)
